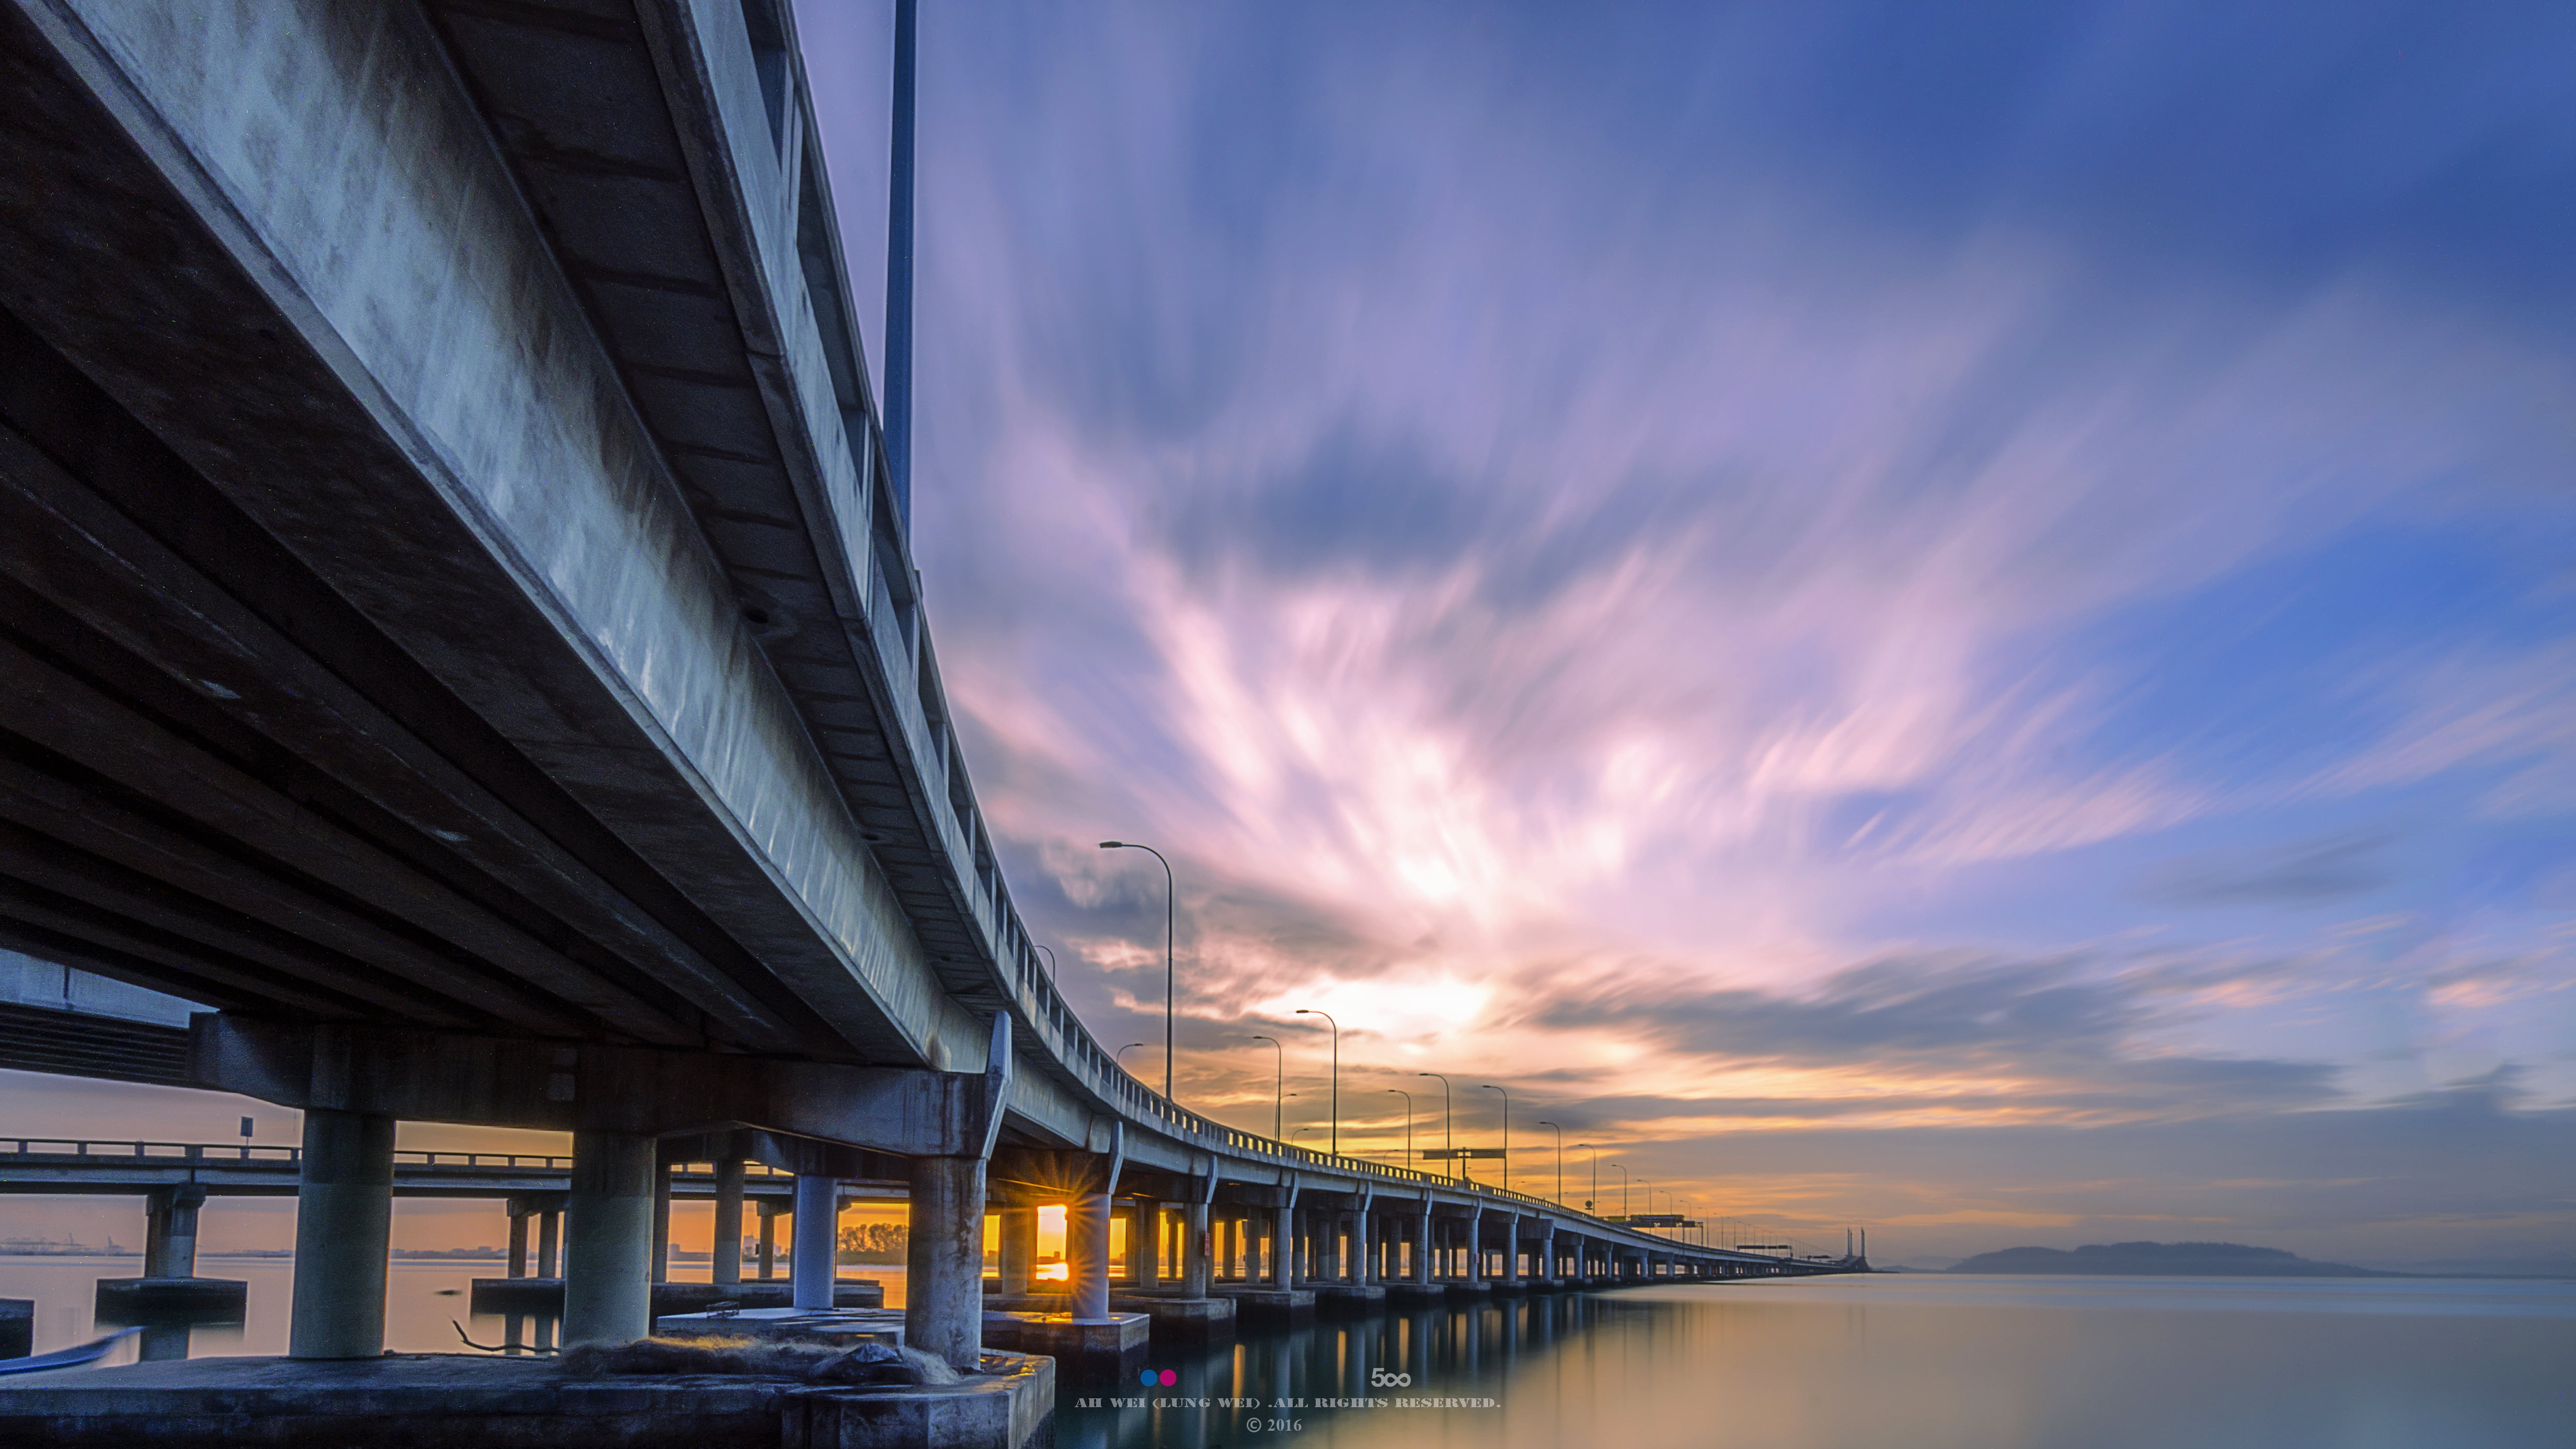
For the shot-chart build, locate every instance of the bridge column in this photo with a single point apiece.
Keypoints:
(943, 1311)
(1547, 1254)
(1145, 1243)
(608, 1270)
(550, 1243)
(1512, 1249)
(727, 1242)
(344, 1207)
(170, 1230)
(1422, 1246)
(1476, 1246)
(1198, 1241)
(661, 1218)
(767, 1207)
(1019, 1248)
(1283, 1238)
(1360, 1273)
(814, 1240)
(518, 1240)
(1086, 1254)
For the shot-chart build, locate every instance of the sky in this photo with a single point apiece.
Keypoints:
(1958, 621)
(1954, 620)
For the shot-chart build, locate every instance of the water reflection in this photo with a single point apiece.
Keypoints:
(1886, 1364)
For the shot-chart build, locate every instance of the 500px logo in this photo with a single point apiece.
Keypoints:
(1381, 1379)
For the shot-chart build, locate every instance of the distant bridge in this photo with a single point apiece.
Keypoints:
(457, 624)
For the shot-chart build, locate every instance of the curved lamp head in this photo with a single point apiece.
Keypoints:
(1113, 845)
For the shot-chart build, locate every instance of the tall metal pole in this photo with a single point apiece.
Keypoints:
(1278, 1079)
(1596, 1173)
(1167, 953)
(1507, 1135)
(898, 358)
(1624, 1214)
(1408, 1123)
(1560, 1162)
(1457, 1169)
(1337, 1075)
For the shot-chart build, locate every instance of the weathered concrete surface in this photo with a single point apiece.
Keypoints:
(1085, 1350)
(1270, 1305)
(1349, 1298)
(545, 1295)
(415, 1401)
(790, 1325)
(1176, 1316)
(1009, 1405)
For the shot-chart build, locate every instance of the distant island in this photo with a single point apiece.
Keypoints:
(2177, 1260)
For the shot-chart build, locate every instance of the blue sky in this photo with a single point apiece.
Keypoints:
(1824, 589)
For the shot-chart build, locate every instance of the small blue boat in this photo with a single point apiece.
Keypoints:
(90, 1352)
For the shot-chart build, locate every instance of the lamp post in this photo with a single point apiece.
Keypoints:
(1560, 1162)
(1507, 1135)
(1122, 1052)
(1596, 1173)
(1408, 1123)
(1624, 1214)
(1167, 953)
(1278, 1079)
(1456, 1168)
(1337, 1074)
(1050, 960)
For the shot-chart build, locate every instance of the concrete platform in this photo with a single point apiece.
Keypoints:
(799, 1325)
(417, 1401)
(1414, 1295)
(545, 1295)
(1178, 1318)
(1269, 1305)
(1501, 1289)
(1349, 1298)
(202, 1300)
(1100, 1350)
(1458, 1288)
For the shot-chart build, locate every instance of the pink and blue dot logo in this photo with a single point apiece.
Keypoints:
(1149, 1378)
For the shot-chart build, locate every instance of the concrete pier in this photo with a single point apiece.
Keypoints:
(814, 1242)
(1019, 1248)
(944, 1287)
(344, 1204)
(727, 1263)
(1086, 1255)
(608, 1271)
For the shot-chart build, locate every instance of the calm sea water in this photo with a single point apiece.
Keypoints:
(1894, 1362)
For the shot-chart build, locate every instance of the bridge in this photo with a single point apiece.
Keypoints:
(460, 629)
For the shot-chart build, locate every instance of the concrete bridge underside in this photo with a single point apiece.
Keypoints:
(456, 627)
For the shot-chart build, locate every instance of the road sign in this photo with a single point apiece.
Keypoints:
(1444, 1154)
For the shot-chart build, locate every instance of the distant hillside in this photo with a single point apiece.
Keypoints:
(2180, 1260)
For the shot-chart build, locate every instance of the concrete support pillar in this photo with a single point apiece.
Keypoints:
(767, 1207)
(344, 1207)
(1511, 1248)
(814, 1241)
(1019, 1248)
(550, 1243)
(1145, 1243)
(1198, 1251)
(518, 1241)
(943, 1312)
(1476, 1246)
(170, 1230)
(1086, 1254)
(662, 1220)
(1547, 1256)
(1422, 1246)
(608, 1267)
(1360, 1265)
(727, 1242)
(1283, 1237)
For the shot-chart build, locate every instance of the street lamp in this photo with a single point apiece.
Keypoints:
(1596, 1173)
(1278, 1079)
(1457, 1169)
(1123, 1051)
(1167, 953)
(1337, 1075)
(1507, 1135)
(1624, 1214)
(1050, 960)
(1408, 1123)
(1560, 1162)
